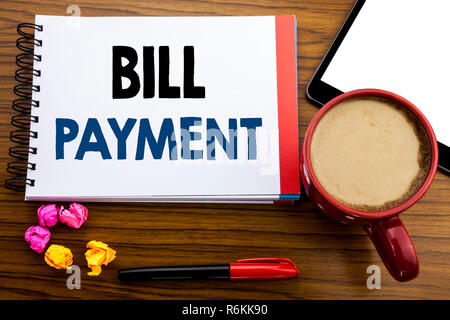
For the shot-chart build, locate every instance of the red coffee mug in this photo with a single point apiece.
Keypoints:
(384, 228)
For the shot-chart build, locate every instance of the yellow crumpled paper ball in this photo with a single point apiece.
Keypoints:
(98, 254)
(58, 257)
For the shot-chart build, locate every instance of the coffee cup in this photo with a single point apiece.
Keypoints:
(348, 185)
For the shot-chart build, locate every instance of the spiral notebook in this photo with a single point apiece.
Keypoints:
(156, 109)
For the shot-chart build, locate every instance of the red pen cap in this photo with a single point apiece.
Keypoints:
(263, 269)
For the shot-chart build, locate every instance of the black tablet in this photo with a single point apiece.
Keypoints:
(400, 46)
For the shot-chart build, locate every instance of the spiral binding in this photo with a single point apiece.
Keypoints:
(23, 105)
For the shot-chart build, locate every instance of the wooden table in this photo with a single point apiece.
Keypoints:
(332, 258)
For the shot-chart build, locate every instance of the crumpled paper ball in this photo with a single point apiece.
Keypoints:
(75, 216)
(37, 237)
(48, 215)
(98, 254)
(58, 257)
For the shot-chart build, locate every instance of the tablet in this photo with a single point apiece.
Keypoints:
(400, 46)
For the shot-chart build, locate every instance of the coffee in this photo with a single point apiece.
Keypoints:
(370, 153)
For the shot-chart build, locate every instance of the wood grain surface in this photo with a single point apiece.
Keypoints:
(332, 257)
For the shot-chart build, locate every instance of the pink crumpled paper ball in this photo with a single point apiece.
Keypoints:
(37, 237)
(75, 216)
(48, 215)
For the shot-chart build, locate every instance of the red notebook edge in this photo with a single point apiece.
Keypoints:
(286, 57)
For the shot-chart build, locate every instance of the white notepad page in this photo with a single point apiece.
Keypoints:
(235, 59)
(400, 46)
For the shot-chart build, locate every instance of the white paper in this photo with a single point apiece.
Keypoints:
(235, 59)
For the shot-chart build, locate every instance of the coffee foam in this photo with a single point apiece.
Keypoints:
(352, 163)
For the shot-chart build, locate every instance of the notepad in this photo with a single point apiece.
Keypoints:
(164, 109)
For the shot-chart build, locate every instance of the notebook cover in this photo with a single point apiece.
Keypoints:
(232, 55)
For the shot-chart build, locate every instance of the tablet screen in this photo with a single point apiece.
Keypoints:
(401, 46)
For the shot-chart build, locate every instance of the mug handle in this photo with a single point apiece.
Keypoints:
(395, 248)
